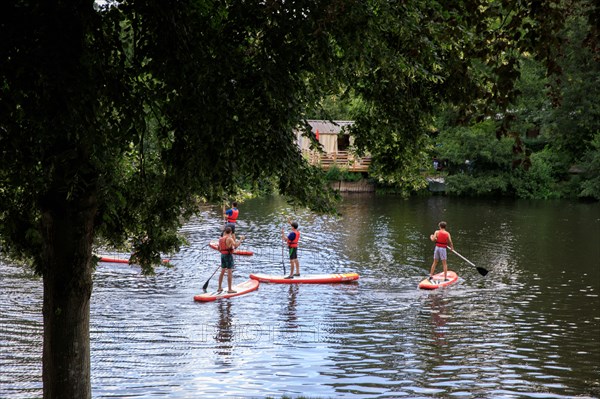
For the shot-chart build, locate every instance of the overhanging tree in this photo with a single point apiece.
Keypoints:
(114, 120)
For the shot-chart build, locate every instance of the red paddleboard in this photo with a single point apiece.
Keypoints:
(113, 260)
(243, 288)
(215, 245)
(437, 281)
(306, 279)
(120, 260)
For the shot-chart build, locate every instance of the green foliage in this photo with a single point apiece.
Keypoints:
(406, 178)
(480, 164)
(590, 187)
(343, 106)
(477, 163)
(533, 106)
(573, 124)
(139, 109)
(560, 108)
(334, 173)
(471, 56)
(115, 120)
(484, 184)
(475, 149)
(538, 181)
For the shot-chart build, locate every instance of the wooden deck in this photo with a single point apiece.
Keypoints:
(341, 159)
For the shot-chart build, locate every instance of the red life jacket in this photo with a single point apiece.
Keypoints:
(294, 243)
(442, 239)
(234, 215)
(223, 246)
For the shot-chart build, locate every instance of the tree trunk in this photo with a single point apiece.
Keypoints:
(67, 228)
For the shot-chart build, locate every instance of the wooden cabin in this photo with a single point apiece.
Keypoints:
(336, 144)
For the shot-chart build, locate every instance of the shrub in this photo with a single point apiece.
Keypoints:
(590, 186)
(337, 174)
(537, 182)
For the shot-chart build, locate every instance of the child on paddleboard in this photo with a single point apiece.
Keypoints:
(442, 241)
(231, 216)
(292, 241)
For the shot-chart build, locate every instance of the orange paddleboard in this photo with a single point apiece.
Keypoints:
(243, 288)
(437, 281)
(108, 259)
(215, 245)
(306, 279)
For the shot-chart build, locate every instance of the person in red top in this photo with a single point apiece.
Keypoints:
(292, 241)
(231, 216)
(227, 244)
(442, 241)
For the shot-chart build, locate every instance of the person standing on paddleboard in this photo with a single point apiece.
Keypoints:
(292, 242)
(231, 216)
(227, 244)
(442, 241)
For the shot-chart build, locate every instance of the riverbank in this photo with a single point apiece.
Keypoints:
(435, 184)
(360, 186)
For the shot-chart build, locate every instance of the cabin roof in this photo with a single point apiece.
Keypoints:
(328, 127)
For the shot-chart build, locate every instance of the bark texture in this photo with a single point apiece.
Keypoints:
(68, 234)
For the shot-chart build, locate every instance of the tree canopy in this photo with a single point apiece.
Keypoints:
(553, 126)
(150, 104)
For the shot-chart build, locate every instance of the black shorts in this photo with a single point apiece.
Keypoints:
(293, 253)
(232, 225)
(227, 261)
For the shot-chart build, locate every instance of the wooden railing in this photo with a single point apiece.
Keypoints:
(341, 159)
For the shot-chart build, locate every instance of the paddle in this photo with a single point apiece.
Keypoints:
(481, 270)
(282, 251)
(224, 221)
(205, 286)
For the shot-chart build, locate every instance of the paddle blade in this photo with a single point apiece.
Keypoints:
(205, 286)
(482, 271)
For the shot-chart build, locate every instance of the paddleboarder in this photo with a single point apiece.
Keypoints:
(227, 244)
(292, 242)
(231, 216)
(442, 241)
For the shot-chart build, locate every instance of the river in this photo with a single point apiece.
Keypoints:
(530, 328)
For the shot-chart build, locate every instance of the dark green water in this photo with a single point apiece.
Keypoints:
(530, 328)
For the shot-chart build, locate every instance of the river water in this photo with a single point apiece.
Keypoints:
(530, 328)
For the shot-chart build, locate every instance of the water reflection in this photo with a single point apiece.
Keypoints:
(291, 319)
(531, 328)
(439, 316)
(224, 334)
